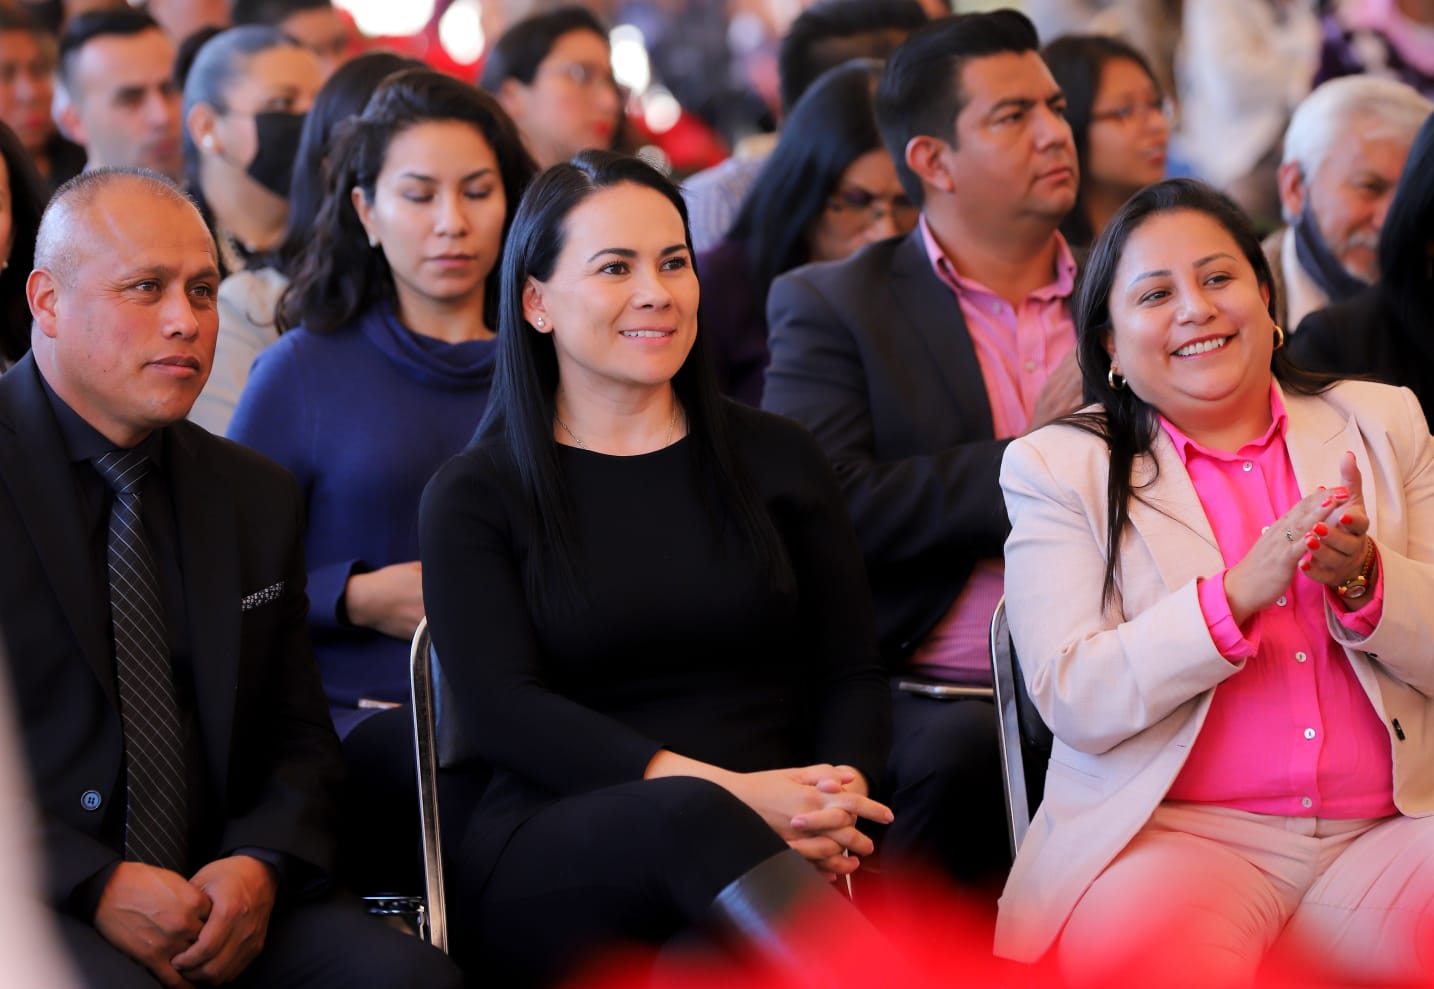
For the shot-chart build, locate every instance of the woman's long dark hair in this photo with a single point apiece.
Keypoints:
(1077, 61)
(27, 202)
(1126, 422)
(522, 407)
(339, 276)
(832, 125)
(341, 98)
(1406, 266)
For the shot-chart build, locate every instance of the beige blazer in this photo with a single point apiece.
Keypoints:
(1125, 692)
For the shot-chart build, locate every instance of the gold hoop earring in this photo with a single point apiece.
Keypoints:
(1110, 377)
(1279, 337)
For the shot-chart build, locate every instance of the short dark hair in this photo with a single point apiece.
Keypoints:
(18, 19)
(1077, 62)
(920, 92)
(832, 125)
(119, 22)
(831, 32)
(341, 98)
(1405, 242)
(272, 12)
(340, 276)
(27, 202)
(522, 405)
(521, 49)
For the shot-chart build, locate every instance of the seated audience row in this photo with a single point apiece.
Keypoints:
(906, 260)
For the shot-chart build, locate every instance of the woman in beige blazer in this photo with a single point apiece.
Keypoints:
(1138, 865)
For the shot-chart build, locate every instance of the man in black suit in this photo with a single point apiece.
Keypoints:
(176, 732)
(914, 361)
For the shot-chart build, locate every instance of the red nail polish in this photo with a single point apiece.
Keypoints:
(1326, 503)
(1320, 529)
(1341, 493)
(1312, 542)
(1320, 488)
(1305, 565)
(1346, 518)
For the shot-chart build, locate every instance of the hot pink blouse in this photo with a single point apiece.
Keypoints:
(1292, 733)
(1017, 350)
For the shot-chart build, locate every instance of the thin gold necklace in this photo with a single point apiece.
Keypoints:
(666, 442)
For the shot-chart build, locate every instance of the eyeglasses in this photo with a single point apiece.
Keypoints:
(1131, 112)
(584, 75)
(860, 204)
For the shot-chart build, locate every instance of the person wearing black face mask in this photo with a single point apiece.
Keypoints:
(245, 97)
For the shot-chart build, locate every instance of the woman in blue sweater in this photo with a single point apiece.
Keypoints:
(386, 376)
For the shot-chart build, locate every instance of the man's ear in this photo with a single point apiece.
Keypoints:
(512, 97)
(1292, 190)
(70, 124)
(534, 311)
(42, 292)
(927, 157)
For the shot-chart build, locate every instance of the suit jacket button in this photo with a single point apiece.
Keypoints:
(90, 800)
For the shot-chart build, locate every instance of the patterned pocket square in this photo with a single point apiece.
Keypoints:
(271, 593)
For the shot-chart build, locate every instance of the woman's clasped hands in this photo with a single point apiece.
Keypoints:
(1325, 536)
(816, 809)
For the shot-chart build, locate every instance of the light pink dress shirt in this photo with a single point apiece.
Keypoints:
(1017, 350)
(1292, 733)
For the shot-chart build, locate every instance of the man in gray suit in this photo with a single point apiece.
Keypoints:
(913, 362)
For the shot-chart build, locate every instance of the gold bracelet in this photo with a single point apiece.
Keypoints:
(1358, 585)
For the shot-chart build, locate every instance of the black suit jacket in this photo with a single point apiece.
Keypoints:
(1363, 336)
(271, 756)
(873, 356)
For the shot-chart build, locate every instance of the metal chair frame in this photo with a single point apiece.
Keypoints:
(1024, 738)
(423, 675)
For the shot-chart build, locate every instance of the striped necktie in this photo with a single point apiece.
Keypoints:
(155, 816)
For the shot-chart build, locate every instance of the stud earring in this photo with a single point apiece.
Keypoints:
(208, 143)
(540, 322)
(373, 240)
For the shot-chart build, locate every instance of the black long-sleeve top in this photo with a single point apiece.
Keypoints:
(679, 644)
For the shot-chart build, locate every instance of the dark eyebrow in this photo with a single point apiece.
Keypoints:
(626, 252)
(1166, 271)
(167, 272)
(1010, 103)
(419, 176)
(621, 252)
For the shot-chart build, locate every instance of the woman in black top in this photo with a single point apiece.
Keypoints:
(647, 599)
(1386, 332)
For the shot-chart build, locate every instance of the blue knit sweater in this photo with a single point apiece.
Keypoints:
(363, 416)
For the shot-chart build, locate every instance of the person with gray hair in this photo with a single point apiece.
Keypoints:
(1344, 149)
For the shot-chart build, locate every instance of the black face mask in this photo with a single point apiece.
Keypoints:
(1321, 263)
(278, 139)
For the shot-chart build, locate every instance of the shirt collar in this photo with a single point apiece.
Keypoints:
(1060, 287)
(84, 442)
(1185, 446)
